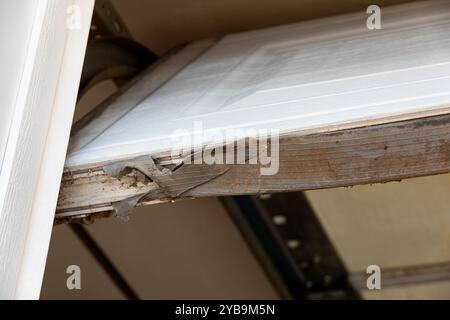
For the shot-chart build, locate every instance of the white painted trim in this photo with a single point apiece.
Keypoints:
(36, 145)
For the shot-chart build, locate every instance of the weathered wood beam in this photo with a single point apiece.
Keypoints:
(365, 155)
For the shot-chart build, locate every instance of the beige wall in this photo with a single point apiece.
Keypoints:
(183, 250)
(163, 24)
(391, 225)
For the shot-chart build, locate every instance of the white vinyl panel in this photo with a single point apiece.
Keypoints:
(37, 139)
(18, 16)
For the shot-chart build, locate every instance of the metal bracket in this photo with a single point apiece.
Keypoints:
(107, 20)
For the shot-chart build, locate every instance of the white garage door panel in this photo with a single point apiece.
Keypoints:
(305, 76)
